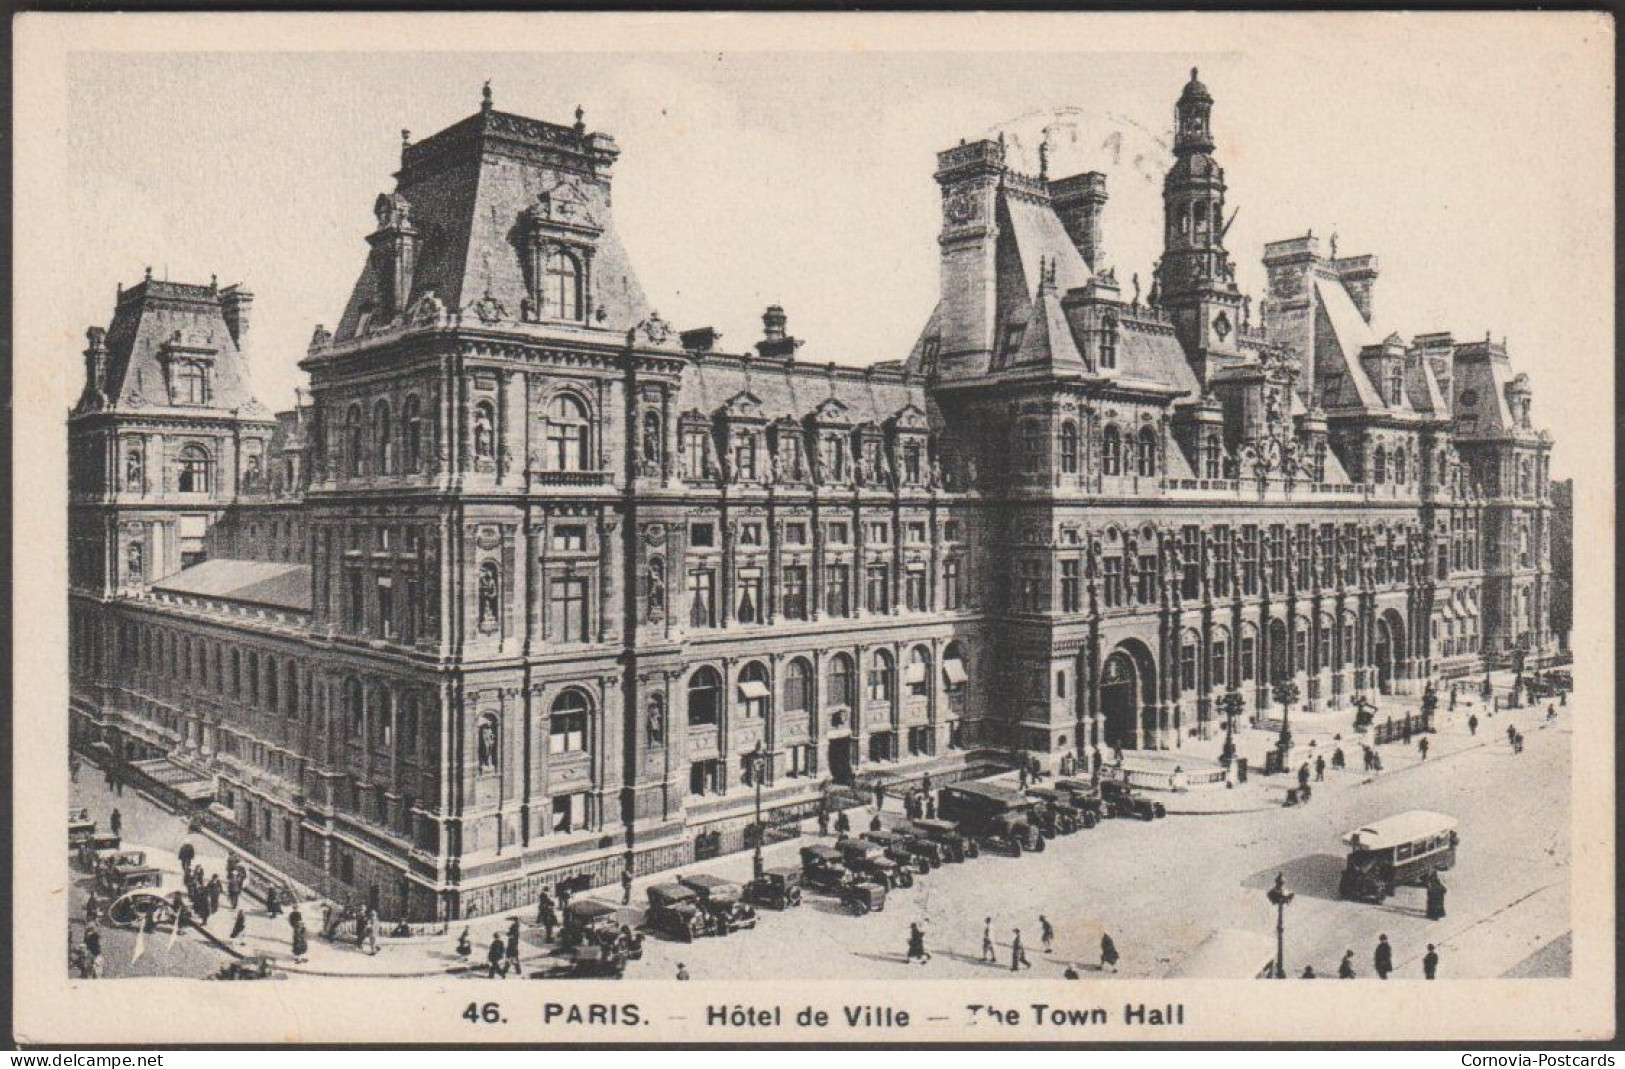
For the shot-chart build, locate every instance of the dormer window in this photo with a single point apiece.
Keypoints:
(568, 432)
(192, 387)
(1396, 386)
(1108, 341)
(561, 286)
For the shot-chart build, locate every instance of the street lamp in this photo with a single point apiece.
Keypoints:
(758, 767)
(1280, 897)
(1230, 704)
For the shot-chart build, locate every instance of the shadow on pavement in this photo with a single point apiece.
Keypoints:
(1316, 875)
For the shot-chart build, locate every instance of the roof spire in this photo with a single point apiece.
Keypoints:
(485, 96)
(1043, 158)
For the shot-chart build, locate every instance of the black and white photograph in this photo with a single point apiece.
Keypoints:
(1057, 506)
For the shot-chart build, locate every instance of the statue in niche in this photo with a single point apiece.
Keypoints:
(488, 597)
(484, 437)
(487, 743)
(657, 590)
(133, 475)
(657, 720)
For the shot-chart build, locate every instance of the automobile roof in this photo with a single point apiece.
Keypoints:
(1400, 828)
(990, 791)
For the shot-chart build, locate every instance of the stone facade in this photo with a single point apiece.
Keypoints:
(534, 586)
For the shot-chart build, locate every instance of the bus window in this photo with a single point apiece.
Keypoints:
(1402, 851)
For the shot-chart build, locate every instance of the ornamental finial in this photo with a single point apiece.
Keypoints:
(485, 96)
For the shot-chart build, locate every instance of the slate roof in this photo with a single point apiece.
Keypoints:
(1340, 333)
(253, 582)
(787, 388)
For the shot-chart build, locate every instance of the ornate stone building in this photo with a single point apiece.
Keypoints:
(533, 584)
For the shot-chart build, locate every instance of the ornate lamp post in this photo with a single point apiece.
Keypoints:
(1280, 898)
(1231, 704)
(1286, 692)
(758, 772)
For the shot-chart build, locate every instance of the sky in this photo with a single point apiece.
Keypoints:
(759, 173)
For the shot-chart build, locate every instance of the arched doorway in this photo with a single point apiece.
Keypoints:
(1389, 651)
(1128, 687)
(1280, 652)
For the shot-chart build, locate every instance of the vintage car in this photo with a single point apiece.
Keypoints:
(1069, 810)
(1402, 850)
(955, 847)
(902, 848)
(995, 815)
(724, 900)
(128, 870)
(590, 923)
(97, 849)
(869, 861)
(80, 826)
(255, 967)
(778, 888)
(824, 868)
(1053, 811)
(676, 910)
(1121, 800)
(1085, 798)
(587, 962)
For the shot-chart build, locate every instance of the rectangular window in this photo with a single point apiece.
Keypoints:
(750, 609)
(1187, 666)
(950, 585)
(878, 534)
(1351, 556)
(798, 761)
(952, 531)
(570, 813)
(569, 538)
(567, 732)
(1029, 581)
(386, 606)
(914, 589)
(1113, 581)
(568, 596)
(702, 598)
(745, 459)
(1219, 667)
(795, 534)
(795, 592)
(702, 535)
(705, 777)
(1305, 548)
(1147, 587)
(1071, 586)
(1221, 562)
(694, 454)
(358, 602)
(1248, 553)
(838, 534)
(877, 588)
(838, 589)
(1328, 555)
(1277, 561)
(750, 534)
(1249, 658)
(1190, 548)
(917, 533)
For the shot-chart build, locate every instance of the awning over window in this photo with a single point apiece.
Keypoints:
(754, 690)
(953, 670)
(915, 673)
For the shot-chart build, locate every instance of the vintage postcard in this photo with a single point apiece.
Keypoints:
(814, 528)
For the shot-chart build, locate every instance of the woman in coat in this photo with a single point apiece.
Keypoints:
(1108, 952)
(301, 944)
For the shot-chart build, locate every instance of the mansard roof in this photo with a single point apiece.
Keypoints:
(786, 389)
(1340, 335)
(252, 582)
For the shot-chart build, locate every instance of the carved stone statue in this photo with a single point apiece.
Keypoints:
(488, 598)
(484, 439)
(133, 478)
(488, 743)
(657, 721)
(935, 474)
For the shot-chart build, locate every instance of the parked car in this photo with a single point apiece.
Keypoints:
(588, 962)
(778, 888)
(1055, 812)
(955, 847)
(590, 923)
(1121, 800)
(724, 900)
(97, 849)
(824, 868)
(80, 826)
(1403, 850)
(1085, 798)
(869, 861)
(901, 848)
(676, 911)
(999, 817)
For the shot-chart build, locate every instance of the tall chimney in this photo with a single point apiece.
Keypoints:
(96, 361)
(775, 341)
(235, 302)
(1078, 202)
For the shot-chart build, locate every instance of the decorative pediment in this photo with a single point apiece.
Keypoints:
(742, 405)
(832, 411)
(909, 418)
(569, 205)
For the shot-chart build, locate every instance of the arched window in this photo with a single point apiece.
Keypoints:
(382, 446)
(1379, 465)
(567, 723)
(352, 440)
(797, 686)
(561, 287)
(195, 470)
(881, 671)
(1148, 451)
(919, 672)
(1111, 452)
(840, 680)
(1108, 340)
(567, 431)
(755, 696)
(1069, 448)
(704, 696)
(412, 427)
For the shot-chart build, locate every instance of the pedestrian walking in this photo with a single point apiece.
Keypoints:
(372, 931)
(1405, 730)
(1472, 725)
(465, 947)
(823, 821)
(1345, 970)
(880, 796)
(494, 957)
(186, 853)
(273, 903)
(234, 887)
(1422, 748)
(1098, 760)
(1108, 952)
(116, 821)
(1430, 963)
(626, 886)
(1517, 742)
(215, 891)
(1303, 774)
(916, 944)
(512, 949)
(843, 823)
(1046, 933)
(93, 940)
(1383, 960)
(1021, 777)
(1018, 953)
(1435, 897)
(546, 917)
(301, 944)
(682, 971)
(930, 807)
(239, 926)
(1308, 973)
(1338, 760)
(1320, 768)
(988, 952)
(73, 769)
(1551, 712)
(874, 822)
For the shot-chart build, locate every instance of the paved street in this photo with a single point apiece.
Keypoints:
(1160, 889)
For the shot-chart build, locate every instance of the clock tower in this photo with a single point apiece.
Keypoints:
(1196, 278)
